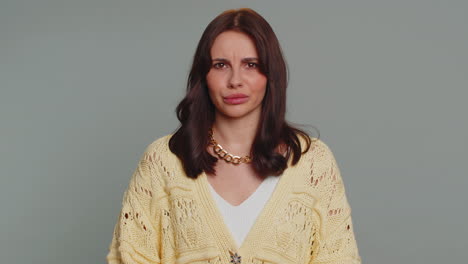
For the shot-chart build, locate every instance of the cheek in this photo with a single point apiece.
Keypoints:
(214, 81)
(210, 82)
(259, 85)
(213, 95)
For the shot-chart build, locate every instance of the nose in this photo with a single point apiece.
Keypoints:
(235, 79)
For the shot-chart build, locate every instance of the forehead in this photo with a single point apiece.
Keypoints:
(233, 43)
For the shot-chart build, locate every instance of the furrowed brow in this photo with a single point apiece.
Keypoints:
(250, 59)
(221, 60)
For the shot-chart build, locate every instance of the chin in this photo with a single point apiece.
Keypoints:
(233, 115)
(239, 113)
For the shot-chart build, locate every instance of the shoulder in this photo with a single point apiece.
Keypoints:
(318, 148)
(157, 151)
(156, 154)
(318, 174)
(160, 144)
(167, 165)
(319, 159)
(321, 149)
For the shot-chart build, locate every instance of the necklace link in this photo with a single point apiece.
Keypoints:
(223, 154)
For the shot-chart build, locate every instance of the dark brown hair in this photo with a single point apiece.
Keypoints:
(196, 112)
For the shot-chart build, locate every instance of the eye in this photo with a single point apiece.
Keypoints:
(252, 65)
(219, 65)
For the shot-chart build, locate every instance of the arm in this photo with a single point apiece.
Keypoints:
(136, 236)
(335, 242)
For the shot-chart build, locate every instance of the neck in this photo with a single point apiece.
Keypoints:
(235, 135)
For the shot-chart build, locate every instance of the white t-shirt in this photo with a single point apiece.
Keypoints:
(239, 219)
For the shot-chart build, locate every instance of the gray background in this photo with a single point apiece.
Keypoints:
(87, 85)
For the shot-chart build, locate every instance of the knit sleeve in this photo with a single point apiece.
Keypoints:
(335, 241)
(136, 236)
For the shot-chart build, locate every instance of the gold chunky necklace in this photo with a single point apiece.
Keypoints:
(223, 154)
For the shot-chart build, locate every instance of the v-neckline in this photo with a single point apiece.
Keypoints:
(247, 200)
(220, 227)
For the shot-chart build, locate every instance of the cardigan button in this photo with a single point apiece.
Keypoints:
(235, 259)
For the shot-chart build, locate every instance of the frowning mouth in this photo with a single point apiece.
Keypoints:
(237, 98)
(237, 95)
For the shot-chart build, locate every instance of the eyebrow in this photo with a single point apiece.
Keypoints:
(248, 59)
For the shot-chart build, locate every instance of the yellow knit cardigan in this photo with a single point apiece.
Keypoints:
(169, 218)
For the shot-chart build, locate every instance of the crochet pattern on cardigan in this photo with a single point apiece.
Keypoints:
(169, 218)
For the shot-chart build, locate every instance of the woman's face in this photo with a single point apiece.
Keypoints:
(235, 73)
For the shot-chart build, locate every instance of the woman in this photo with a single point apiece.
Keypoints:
(235, 183)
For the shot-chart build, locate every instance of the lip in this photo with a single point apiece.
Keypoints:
(237, 95)
(236, 100)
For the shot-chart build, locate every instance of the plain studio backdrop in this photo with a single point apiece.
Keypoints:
(87, 85)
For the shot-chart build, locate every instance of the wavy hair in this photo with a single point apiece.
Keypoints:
(196, 112)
